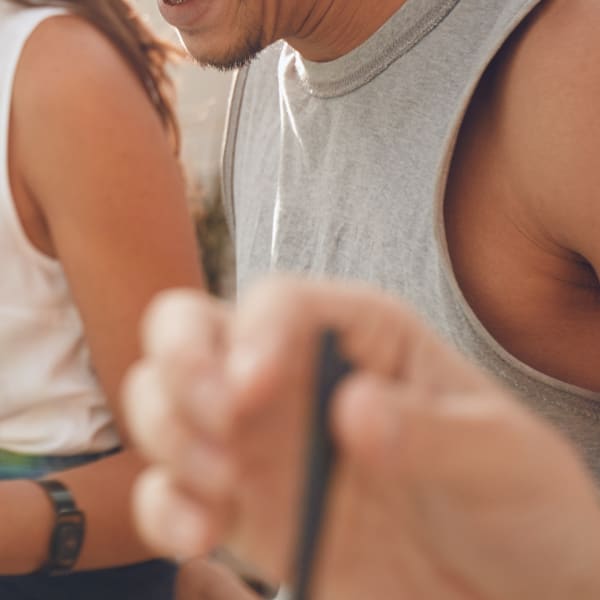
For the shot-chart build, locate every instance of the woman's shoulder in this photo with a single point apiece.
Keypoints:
(69, 50)
(74, 85)
(70, 72)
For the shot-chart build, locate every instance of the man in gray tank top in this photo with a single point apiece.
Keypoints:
(444, 152)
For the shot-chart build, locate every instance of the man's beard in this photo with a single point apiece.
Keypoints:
(238, 55)
(233, 60)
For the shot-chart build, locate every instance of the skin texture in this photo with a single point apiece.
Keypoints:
(448, 488)
(521, 207)
(235, 30)
(101, 191)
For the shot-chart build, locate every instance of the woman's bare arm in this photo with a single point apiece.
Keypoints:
(97, 185)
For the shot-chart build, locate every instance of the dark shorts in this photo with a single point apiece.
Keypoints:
(153, 580)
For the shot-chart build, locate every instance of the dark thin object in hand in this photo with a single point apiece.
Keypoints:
(261, 588)
(331, 369)
(246, 573)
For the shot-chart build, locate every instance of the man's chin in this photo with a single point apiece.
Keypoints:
(227, 60)
(231, 64)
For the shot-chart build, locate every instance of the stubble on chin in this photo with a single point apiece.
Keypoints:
(244, 45)
(235, 58)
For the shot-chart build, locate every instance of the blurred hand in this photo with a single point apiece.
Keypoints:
(445, 487)
(200, 579)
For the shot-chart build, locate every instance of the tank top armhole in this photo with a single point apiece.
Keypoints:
(446, 266)
(17, 30)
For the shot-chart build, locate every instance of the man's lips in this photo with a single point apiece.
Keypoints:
(188, 14)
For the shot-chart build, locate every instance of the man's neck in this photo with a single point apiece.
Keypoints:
(330, 29)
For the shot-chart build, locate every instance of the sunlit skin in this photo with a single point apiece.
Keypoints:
(78, 202)
(232, 32)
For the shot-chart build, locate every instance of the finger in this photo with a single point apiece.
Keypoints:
(145, 408)
(179, 323)
(276, 328)
(411, 431)
(185, 338)
(417, 432)
(198, 462)
(375, 420)
(170, 521)
(211, 581)
(300, 310)
(195, 396)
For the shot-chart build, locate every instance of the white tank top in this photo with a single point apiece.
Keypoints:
(50, 400)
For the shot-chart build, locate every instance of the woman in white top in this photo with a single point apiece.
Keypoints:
(93, 223)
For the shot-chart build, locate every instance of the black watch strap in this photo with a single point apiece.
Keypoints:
(68, 531)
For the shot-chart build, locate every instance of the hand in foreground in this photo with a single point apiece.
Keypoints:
(445, 488)
(200, 579)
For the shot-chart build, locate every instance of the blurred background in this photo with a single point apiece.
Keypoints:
(202, 108)
(203, 95)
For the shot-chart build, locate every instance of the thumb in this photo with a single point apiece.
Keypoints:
(208, 580)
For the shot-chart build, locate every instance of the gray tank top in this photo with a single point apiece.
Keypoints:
(340, 169)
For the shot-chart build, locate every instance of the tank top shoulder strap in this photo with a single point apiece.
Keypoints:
(16, 26)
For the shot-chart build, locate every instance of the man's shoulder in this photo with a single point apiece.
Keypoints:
(547, 99)
(555, 56)
(562, 39)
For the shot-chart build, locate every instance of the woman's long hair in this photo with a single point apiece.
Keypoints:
(146, 54)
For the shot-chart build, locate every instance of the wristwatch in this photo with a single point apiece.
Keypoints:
(68, 532)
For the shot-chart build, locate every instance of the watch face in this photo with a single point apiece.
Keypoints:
(67, 539)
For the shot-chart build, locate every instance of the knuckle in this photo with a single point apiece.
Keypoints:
(175, 320)
(132, 386)
(276, 295)
(150, 506)
(136, 389)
